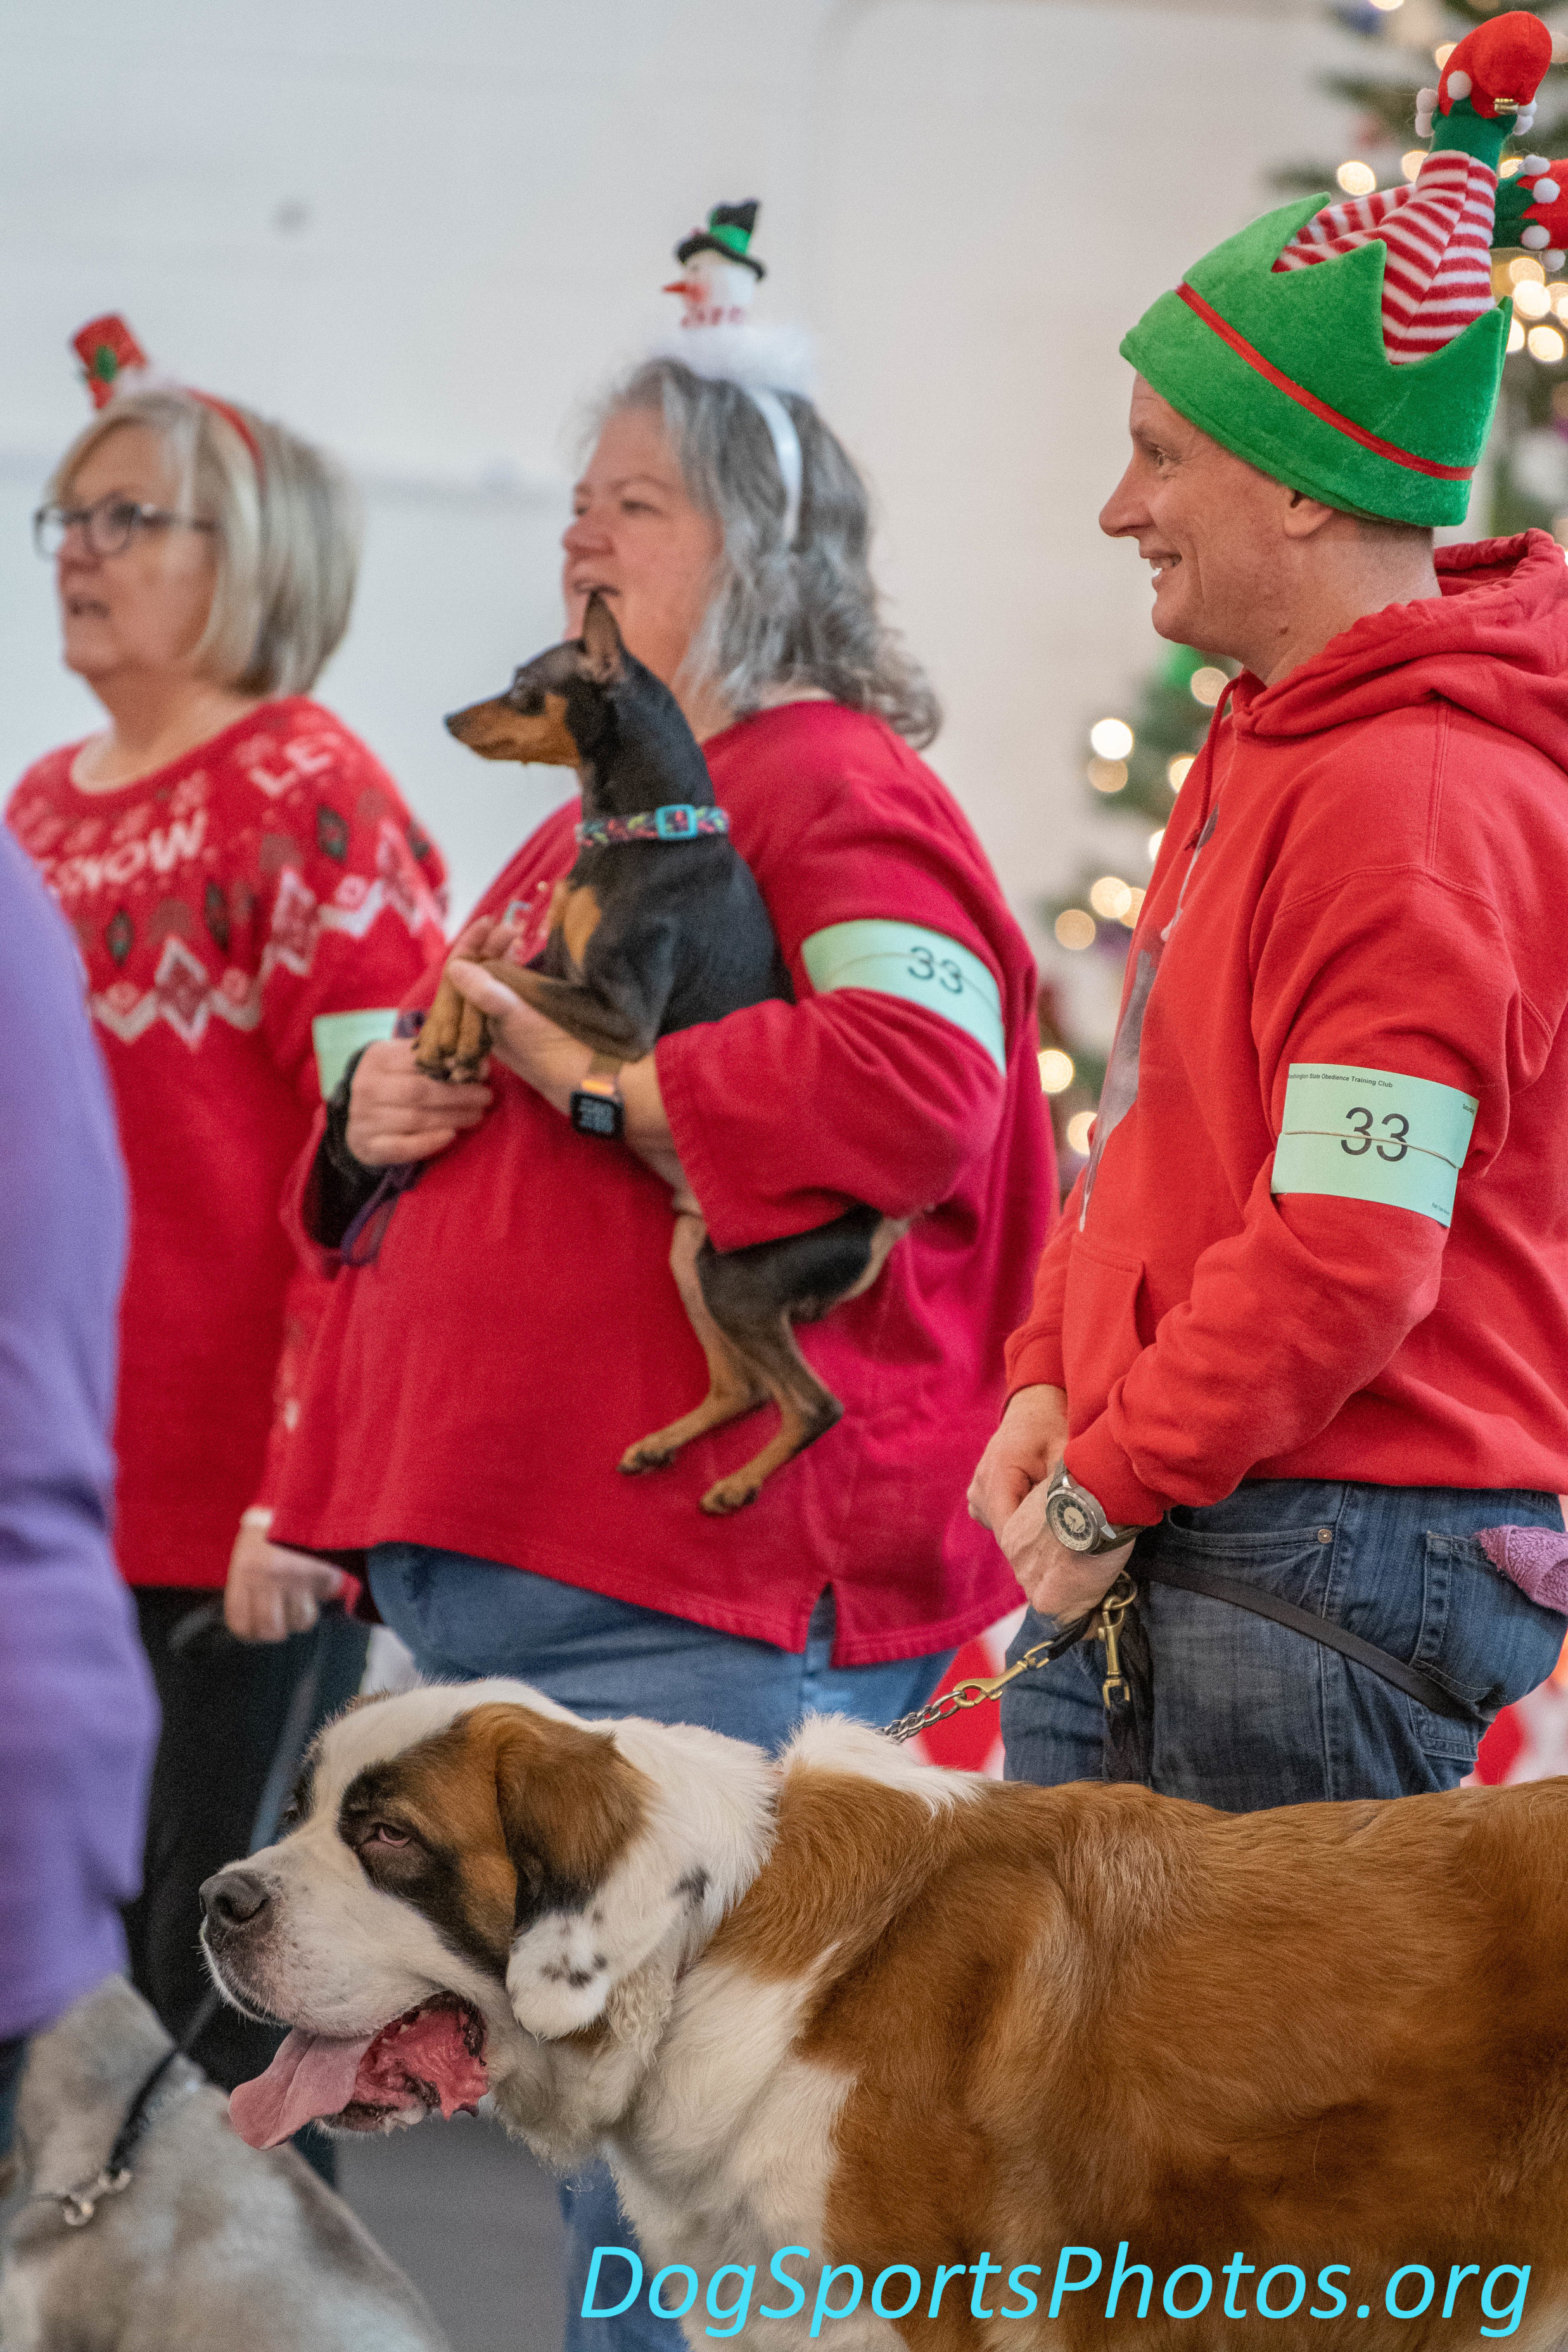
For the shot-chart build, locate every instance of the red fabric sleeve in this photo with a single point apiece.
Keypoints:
(783, 1115)
(298, 1205)
(786, 1114)
(352, 921)
(1034, 1357)
(1289, 1317)
(348, 929)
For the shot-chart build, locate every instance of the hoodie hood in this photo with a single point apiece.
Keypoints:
(1494, 642)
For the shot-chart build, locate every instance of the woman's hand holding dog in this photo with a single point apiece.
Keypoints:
(1007, 1495)
(396, 1114)
(555, 1063)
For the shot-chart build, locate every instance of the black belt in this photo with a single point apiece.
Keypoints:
(1390, 1669)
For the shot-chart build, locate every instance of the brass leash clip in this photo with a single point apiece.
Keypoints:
(1107, 1629)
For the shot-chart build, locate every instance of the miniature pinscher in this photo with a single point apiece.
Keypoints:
(656, 928)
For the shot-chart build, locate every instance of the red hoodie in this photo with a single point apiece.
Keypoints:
(1371, 865)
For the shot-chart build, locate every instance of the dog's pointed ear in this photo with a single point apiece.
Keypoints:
(569, 1805)
(603, 653)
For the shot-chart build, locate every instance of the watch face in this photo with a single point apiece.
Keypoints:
(1070, 1523)
(593, 1114)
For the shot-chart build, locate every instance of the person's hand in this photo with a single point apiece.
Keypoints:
(1060, 1584)
(555, 1063)
(1022, 1454)
(272, 1591)
(397, 1114)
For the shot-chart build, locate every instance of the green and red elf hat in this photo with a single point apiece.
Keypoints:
(113, 361)
(1353, 350)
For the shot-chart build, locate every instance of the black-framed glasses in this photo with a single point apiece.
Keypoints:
(109, 526)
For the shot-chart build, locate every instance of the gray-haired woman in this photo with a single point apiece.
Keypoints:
(473, 1391)
(245, 885)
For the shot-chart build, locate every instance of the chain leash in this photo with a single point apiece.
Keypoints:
(1100, 1624)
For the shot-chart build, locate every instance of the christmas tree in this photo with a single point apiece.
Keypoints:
(1135, 767)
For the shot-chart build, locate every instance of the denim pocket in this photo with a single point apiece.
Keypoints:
(1481, 1637)
(1242, 1543)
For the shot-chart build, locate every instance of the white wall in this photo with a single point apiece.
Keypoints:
(425, 233)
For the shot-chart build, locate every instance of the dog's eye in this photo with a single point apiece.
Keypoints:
(384, 1833)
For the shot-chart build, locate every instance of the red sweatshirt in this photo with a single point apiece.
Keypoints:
(475, 1386)
(271, 876)
(1371, 865)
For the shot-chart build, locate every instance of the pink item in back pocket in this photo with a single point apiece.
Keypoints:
(1535, 1558)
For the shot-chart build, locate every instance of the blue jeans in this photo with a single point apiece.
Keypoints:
(464, 1618)
(1248, 1714)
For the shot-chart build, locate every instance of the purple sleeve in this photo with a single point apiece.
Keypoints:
(77, 1719)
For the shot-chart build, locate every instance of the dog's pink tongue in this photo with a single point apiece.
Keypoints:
(310, 2076)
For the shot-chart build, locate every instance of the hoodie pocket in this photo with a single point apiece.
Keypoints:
(1100, 1328)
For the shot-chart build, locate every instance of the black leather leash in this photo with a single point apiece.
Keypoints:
(77, 2206)
(1382, 1663)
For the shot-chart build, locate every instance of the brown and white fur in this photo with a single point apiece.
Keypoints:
(895, 2014)
(212, 2248)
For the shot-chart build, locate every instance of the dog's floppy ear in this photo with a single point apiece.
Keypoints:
(569, 1804)
(604, 653)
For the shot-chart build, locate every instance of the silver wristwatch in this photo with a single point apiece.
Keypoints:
(1076, 1519)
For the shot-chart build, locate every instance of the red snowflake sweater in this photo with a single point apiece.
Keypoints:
(226, 907)
(476, 1385)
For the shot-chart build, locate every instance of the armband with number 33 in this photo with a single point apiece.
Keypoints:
(924, 967)
(1372, 1135)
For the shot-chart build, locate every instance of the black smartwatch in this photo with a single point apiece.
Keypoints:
(597, 1108)
(1076, 1519)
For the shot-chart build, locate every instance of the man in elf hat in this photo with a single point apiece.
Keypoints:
(1298, 1356)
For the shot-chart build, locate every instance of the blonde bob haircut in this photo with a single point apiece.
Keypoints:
(287, 544)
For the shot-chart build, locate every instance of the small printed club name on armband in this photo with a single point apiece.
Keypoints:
(924, 967)
(1372, 1135)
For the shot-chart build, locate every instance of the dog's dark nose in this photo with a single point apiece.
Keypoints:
(234, 1898)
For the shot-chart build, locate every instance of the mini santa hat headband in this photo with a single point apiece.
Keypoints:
(114, 362)
(717, 337)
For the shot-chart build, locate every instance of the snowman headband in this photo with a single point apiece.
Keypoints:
(716, 339)
(787, 449)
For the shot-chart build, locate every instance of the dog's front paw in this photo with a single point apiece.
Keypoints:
(454, 1040)
(648, 1453)
(731, 1494)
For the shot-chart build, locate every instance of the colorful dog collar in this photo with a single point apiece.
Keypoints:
(677, 821)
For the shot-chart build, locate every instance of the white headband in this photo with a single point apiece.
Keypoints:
(785, 449)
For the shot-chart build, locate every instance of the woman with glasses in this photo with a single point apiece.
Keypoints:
(249, 895)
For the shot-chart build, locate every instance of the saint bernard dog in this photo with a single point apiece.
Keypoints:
(844, 2001)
